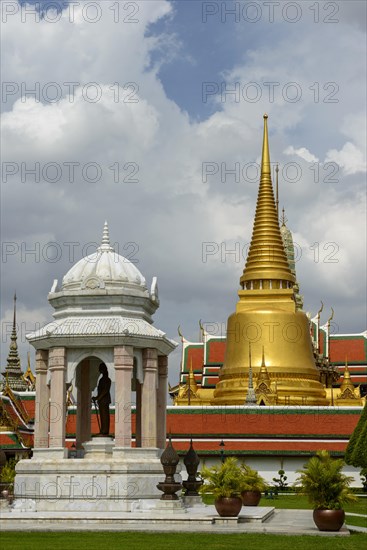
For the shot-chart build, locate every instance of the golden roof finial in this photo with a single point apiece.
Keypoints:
(346, 369)
(191, 383)
(320, 310)
(266, 259)
(284, 219)
(265, 160)
(347, 381)
(263, 375)
(202, 330)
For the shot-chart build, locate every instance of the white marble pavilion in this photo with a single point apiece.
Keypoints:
(103, 313)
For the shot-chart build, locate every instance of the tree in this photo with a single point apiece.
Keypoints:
(359, 453)
(355, 454)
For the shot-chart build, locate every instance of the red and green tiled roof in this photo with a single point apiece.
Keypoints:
(353, 348)
(193, 355)
(245, 430)
(215, 350)
(9, 440)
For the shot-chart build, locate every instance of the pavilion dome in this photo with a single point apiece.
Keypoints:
(104, 269)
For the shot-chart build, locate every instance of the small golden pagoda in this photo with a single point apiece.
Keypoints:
(348, 395)
(267, 316)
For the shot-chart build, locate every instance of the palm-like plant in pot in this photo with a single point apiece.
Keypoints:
(224, 482)
(252, 485)
(327, 489)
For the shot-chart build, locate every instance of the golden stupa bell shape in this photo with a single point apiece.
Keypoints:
(266, 316)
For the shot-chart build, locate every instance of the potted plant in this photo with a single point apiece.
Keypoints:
(224, 482)
(7, 477)
(327, 489)
(252, 485)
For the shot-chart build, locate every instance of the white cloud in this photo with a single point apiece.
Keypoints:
(302, 152)
(350, 158)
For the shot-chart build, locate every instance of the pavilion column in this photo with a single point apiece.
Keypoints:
(83, 417)
(42, 401)
(138, 414)
(124, 362)
(162, 401)
(149, 398)
(57, 367)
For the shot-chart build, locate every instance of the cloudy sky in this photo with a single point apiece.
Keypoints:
(149, 114)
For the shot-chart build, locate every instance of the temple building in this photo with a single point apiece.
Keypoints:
(275, 388)
(292, 360)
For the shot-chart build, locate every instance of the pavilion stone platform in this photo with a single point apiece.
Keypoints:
(198, 519)
(194, 516)
(105, 480)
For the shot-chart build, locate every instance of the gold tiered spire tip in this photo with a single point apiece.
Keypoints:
(266, 260)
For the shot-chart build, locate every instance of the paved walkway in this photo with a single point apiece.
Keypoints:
(197, 519)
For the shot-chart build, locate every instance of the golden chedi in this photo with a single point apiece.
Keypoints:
(267, 317)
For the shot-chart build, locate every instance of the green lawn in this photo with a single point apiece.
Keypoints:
(181, 541)
(300, 502)
(356, 520)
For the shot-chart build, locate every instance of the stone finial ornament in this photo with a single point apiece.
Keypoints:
(169, 461)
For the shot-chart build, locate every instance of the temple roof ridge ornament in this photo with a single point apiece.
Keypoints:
(347, 390)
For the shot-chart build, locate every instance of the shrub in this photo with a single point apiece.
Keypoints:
(223, 480)
(355, 453)
(8, 472)
(324, 483)
(280, 483)
(252, 480)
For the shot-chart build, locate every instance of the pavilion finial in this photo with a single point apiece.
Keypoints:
(105, 244)
(106, 235)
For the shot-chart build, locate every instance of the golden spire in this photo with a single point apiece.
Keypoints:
(347, 381)
(191, 378)
(191, 384)
(349, 395)
(263, 375)
(277, 190)
(267, 301)
(250, 396)
(266, 259)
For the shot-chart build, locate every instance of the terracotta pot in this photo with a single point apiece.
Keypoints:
(329, 520)
(228, 506)
(250, 498)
